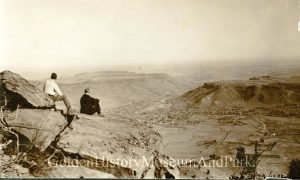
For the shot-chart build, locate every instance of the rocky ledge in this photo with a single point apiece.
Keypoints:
(48, 143)
(16, 91)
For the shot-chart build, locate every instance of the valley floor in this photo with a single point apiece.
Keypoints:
(191, 135)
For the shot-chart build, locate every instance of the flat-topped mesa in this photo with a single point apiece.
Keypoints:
(15, 90)
(254, 92)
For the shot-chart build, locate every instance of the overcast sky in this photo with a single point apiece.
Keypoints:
(42, 35)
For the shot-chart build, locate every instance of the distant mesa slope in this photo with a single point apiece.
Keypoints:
(257, 91)
(15, 90)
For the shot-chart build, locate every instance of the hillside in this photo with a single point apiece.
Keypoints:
(255, 92)
(217, 118)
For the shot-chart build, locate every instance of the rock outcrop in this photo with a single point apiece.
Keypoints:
(113, 147)
(112, 140)
(38, 127)
(15, 90)
(118, 146)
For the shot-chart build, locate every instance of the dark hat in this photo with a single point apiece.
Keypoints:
(86, 90)
(53, 76)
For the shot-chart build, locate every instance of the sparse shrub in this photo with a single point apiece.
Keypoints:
(249, 162)
(240, 154)
(294, 169)
(20, 149)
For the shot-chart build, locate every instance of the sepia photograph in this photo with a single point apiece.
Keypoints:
(150, 89)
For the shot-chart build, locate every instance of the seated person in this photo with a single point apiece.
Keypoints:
(52, 89)
(89, 105)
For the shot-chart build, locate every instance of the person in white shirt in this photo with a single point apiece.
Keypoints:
(52, 89)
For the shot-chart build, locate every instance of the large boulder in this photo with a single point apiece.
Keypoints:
(15, 90)
(37, 127)
(118, 144)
